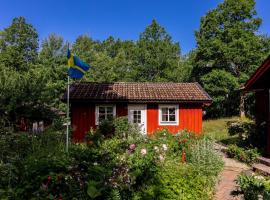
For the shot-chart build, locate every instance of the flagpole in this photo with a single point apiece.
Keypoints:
(67, 134)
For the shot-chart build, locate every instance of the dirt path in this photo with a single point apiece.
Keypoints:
(227, 183)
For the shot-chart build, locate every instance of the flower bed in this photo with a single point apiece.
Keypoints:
(248, 156)
(123, 166)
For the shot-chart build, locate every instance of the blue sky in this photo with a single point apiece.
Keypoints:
(123, 19)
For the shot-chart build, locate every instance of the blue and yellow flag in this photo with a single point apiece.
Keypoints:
(77, 68)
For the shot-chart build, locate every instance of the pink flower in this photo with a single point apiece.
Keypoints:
(132, 146)
(143, 151)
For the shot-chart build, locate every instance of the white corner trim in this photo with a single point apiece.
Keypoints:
(97, 109)
(176, 106)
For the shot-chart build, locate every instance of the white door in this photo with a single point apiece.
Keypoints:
(137, 115)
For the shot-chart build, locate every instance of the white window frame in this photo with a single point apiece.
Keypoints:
(167, 123)
(103, 105)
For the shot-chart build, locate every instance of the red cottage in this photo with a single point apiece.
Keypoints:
(259, 83)
(153, 106)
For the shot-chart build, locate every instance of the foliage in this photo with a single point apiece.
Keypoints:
(244, 155)
(254, 187)
(18, 45)
(249, 133)
(174, 180)
(243, 128)
(222, 86)
(228, 40)
(155, 54)
(115, 167)
(202, 156)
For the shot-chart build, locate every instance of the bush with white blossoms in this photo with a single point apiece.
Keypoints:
(253, 186)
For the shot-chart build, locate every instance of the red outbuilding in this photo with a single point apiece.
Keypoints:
(152, 106)
(259, 83)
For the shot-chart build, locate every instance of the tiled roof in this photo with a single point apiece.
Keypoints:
(138, 92)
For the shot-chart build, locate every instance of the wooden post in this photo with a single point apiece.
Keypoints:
(242, 104)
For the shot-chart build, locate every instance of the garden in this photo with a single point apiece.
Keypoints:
(245, 143)
(243, 138)
(114, 162)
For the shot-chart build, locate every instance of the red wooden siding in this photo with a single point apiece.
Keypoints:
(121, 110)
(190, 118)
(263, 114)
(82, 119)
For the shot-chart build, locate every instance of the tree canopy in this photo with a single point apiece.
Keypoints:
(228, 40)
(229, 49)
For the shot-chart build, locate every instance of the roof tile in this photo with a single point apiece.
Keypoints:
(138, 92)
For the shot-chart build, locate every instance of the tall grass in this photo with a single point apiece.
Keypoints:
(217, 129)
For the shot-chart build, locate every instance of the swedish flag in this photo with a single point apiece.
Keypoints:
(77, 68)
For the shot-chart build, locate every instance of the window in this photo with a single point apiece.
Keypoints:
(137, 116)
(168, 114)
(104, 112)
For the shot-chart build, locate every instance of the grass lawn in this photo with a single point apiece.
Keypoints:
(217, 130)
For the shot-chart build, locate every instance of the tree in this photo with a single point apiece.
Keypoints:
(85, 47)
(156, 54)
(222, 86)
(18, 45)
(228, 40)
(53, 64)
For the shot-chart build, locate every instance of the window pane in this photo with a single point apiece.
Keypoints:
(110, 109)
(171, 110)
(164, 118)
(136, 116)
(172, 118)
(101, 109)
(164, 111)
(101, 117)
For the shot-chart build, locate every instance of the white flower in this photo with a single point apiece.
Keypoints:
(95, 163)
(259, 177)
(164, 146)
(143, 151)
(156, 148)
(161, 157)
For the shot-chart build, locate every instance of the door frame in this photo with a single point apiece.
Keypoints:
(141, 107)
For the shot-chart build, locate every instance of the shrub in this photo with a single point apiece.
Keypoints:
(201, 154)
(248, 156)
(254, 187)
(250, 134)
(242, 128)
(106, 128)
(124, 130)
(177, 181)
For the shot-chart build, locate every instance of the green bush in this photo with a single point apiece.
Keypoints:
(202, 155)
(254, 187)
(248, 156)
(242, 128)
(249, 133)
(106, 128)
(178, 181)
